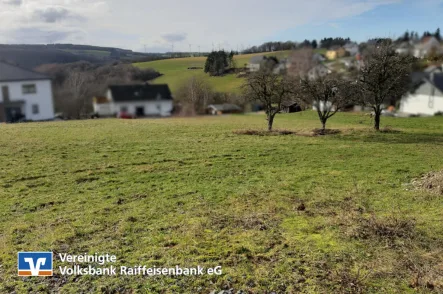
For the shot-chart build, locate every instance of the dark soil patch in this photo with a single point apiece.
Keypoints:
(320, 132)
(431, 182)
(264, 133)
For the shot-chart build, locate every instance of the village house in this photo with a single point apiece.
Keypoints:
(318, 71)
(255, 63)
(427, 46)
(336, 52)
(352, 48)
(138, 100)
(25, 95)
(226, 108)
(426, 97)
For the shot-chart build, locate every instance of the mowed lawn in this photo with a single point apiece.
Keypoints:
(288, 213)
(176, 73)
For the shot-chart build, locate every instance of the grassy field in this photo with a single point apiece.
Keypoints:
(289, 214)
(175, 71)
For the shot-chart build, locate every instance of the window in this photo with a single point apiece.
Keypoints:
(29, 89)
(35, 109)
(124, 109)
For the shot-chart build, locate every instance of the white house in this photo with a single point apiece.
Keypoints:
(24, 95)
(136, 100)
(427, 46)
(427, 96)
(255, 63)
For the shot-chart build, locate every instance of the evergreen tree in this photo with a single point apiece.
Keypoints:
(216, 63)
(314, 44)
(437, 34)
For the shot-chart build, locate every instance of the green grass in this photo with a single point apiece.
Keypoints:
(175, 71)
(188, 191)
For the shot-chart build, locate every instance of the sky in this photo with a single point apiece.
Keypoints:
(181, 25)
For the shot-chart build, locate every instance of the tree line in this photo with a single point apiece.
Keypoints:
(414, 36)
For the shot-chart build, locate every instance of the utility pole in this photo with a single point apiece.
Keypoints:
(172, 52)
(199, 52)
(190, 50)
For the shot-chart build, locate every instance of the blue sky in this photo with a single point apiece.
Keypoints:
(390, 20)
(230, 24)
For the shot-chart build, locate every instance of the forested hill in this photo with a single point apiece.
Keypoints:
(31, 56)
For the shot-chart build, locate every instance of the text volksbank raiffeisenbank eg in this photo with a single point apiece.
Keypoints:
(102, 265)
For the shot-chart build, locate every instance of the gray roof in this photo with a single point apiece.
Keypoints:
(10, 73)
(435, 79)
(140, 92)
(256, 59)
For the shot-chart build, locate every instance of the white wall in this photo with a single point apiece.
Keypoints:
(103, 109)
(421, 104)
(43, 98)
(151, 107)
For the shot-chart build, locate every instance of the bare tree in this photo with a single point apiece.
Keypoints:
(328, 95)
(78, 84)
(194, 95)
(301, 61)
(271, 90)
(384, 77)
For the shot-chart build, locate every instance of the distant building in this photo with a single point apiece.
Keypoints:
(427, 46)
(426, 97)
(219, 109)
(255, 63)
(318, 71)
(291, 107)
(351, 48)
(405, 48)
(137, 100)
(336, 52)
(24, 95)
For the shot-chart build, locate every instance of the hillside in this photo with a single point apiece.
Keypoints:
(175, 71)
(31, 56)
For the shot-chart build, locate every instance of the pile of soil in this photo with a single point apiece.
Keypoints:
(431, 182)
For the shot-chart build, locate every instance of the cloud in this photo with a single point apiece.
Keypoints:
(51, 14)
(157, 24)
(37, 35)
(12, 2)
(172, 38)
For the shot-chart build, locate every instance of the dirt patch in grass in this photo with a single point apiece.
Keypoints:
(389, 129)
(264, 133)
(320, 132)
(431, 182)
(392, 230)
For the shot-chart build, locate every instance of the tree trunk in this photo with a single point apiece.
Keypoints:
(323, 127)
(270, 122)
(377, 119)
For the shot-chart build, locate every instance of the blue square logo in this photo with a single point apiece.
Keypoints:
(35, 264)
